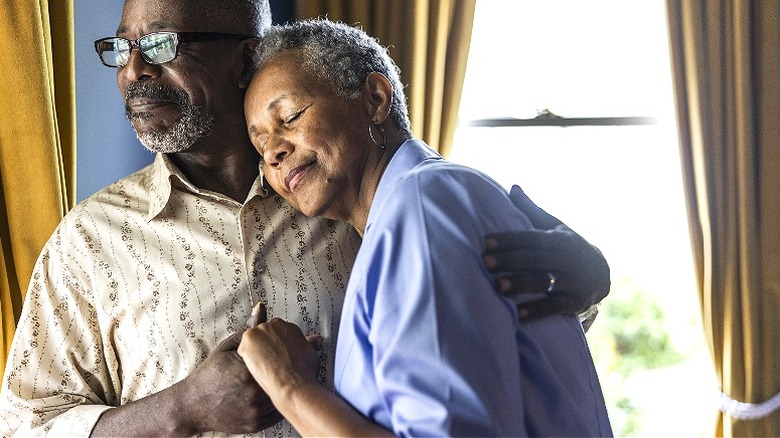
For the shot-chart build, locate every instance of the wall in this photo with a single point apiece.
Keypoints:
(107, 147)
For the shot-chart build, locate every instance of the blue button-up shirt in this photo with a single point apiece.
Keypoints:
(426, 346)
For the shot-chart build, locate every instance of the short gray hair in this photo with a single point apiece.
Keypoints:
(340, 55)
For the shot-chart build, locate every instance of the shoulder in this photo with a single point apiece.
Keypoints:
(125, 192)
(134, 186)
(437, 176)
(126, 198)
(441, 202)
(439, 185)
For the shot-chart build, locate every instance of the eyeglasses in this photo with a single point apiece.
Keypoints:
(155, 48)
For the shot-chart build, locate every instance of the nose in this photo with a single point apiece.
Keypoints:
(276, 150)
(137, 69)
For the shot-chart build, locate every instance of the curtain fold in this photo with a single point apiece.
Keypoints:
(726, 67)
(37, 141)
(429, 40)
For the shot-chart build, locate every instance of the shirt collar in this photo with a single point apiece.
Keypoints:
(408, 156)
(165, 176)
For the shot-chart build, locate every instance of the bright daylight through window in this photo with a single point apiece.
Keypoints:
(617, 185)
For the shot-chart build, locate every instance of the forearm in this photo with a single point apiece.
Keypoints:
(160, 414)
(316, 411)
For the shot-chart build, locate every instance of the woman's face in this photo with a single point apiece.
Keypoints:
(312, 141)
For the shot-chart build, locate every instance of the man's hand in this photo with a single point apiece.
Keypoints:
(552, 259)
(225, 397)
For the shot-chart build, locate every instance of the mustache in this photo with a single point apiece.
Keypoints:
(150, 90)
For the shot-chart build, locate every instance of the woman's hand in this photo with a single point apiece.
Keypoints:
(278, 355)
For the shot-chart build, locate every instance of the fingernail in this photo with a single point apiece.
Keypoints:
(257, 315)
(504, 284)
(491, 243)
(490, 262)
(522, 313)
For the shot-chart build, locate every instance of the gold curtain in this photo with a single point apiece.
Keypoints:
(429, 40)
(726, 65)
(37, 141)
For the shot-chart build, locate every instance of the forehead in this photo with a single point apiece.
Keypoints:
(283, 74)
(151, 15)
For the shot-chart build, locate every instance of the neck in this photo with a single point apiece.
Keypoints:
(358, 216)
(229, 171)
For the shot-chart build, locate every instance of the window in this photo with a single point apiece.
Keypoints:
(609, 168)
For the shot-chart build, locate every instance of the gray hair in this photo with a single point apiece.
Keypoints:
(340, 55)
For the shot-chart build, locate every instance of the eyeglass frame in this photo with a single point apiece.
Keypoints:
(179, 37)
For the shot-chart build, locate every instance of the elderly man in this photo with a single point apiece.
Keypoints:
(138, 300)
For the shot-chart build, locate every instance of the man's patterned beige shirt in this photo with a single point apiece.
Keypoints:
(143, 279)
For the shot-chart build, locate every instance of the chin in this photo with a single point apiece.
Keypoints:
(307, 209)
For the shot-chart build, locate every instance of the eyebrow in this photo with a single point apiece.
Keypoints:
(155, 26)
(271, 106)
(274, 103)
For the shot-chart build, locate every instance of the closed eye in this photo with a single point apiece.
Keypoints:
(292, 118)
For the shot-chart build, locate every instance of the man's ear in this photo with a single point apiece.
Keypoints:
(378, 97)
(247, 65)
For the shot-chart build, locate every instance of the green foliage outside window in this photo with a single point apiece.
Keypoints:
(629, 336)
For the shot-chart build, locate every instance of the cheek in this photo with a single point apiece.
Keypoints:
(259, 152)
(120, 83)
(270, 176)
(206, 92)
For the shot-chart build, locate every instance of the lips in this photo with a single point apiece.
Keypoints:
(142, 97)
(144, 104)
(295, 175)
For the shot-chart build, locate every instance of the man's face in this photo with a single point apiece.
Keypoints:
(172, 106)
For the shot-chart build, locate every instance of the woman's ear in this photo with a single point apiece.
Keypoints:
(378, 97)
(247, 65)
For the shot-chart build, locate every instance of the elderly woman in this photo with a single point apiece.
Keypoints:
(425, 347)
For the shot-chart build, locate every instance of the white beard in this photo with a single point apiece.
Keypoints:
(193, 125)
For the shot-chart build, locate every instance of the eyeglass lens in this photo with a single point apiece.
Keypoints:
(155, 48)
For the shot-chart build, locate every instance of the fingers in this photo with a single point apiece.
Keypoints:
(276, 332)
(539, 218)
(315, 341)
(554, 303)
(561, 295)
(259, 315)
(527, 282)
(230, 343)
(527, 260)
(528, 239)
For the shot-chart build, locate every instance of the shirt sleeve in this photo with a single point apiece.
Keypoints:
(444, 349)
(57, 378)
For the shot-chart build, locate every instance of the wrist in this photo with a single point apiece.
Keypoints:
(589, 316)
(180, 411)
(289, 397)
(158, 414)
